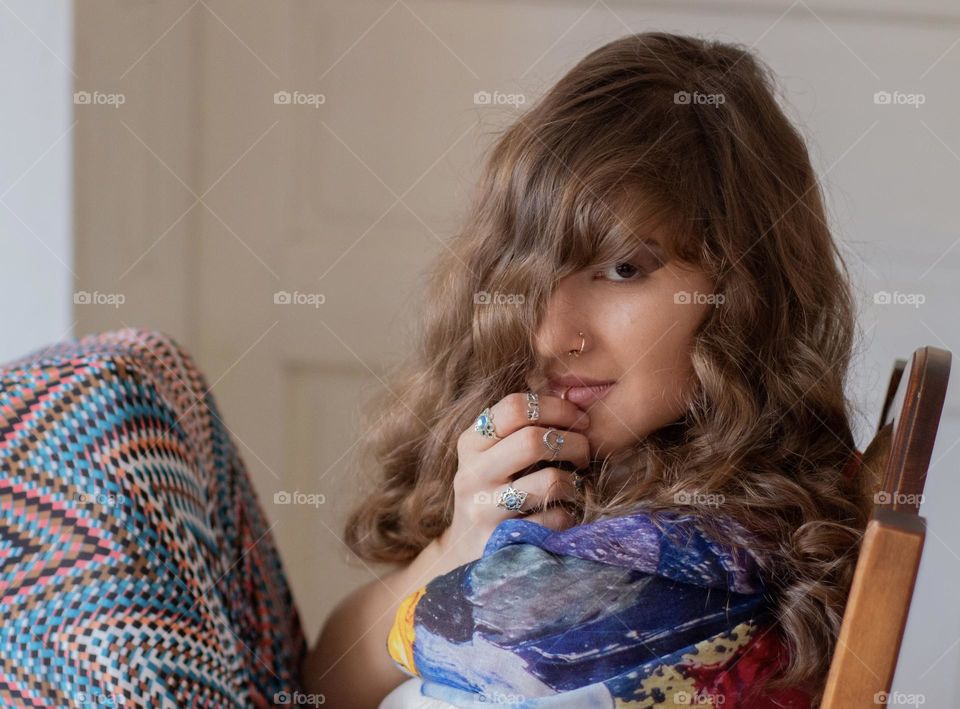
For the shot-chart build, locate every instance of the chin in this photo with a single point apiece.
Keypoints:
(599, 446)
(602, 445)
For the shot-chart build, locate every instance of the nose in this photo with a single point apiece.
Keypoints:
(562, 320)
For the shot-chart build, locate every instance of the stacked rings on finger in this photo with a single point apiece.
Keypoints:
(533, 406)
(484, 424)
(511, 499)
(554, 445)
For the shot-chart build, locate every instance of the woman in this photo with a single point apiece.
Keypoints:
(657, 506)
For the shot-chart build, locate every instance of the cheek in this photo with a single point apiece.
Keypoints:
(653, 398)
(654, 356)
(649, 335)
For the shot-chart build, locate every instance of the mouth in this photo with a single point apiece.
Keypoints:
(582, 396)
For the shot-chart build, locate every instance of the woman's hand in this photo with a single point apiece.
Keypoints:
(488, 466)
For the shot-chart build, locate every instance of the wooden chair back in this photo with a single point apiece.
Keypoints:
(863, 664)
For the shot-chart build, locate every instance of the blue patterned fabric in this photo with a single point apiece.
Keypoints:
(617, 612)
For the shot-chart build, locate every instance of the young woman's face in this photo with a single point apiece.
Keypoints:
(638, 319)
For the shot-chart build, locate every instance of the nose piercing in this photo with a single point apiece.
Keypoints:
(576, 353)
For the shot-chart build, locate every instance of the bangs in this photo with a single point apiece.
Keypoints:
(613, 230)
(607, 225)
(560, 203)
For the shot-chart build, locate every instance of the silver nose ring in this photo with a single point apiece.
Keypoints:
(576, 353)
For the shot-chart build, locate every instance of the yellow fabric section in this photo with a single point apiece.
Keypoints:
(681, 691)
(400, 638)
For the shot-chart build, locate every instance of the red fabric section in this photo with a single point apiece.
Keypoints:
(732, 680)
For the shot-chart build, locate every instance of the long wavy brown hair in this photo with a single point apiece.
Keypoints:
(687, 134)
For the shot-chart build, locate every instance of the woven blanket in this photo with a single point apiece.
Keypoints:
(137, 568)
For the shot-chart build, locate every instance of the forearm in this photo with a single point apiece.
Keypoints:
(349, 665)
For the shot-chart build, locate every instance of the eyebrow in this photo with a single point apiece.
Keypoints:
(649, 241)
(655, 249)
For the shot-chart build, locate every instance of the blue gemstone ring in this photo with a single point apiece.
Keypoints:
(554, 445)
(484, 424)
(511, 499)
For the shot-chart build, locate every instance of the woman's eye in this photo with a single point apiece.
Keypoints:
(620, 272)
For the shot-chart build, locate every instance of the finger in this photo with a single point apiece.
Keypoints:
(511, 413)
(543, 487)
(526, 447)
(555, 517)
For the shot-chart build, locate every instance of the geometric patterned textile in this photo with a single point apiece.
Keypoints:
(136, 567)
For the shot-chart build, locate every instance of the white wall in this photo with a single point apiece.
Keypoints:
(36, 86)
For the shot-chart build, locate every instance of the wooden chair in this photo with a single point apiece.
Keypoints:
(863, 664)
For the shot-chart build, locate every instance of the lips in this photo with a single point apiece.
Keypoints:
(580, 391)
(583, 397)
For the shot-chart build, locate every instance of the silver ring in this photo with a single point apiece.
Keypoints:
(484, 424)
(511, 499)
(554, 445)
(578, 483)
(533, 406)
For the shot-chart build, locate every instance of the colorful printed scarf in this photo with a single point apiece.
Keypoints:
(614, 613)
